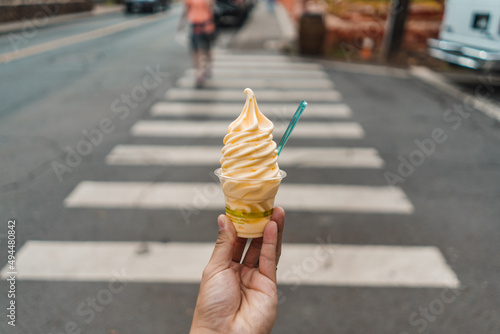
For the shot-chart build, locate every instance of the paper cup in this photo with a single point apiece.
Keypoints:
(249, 202)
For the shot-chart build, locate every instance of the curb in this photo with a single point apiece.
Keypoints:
(361, 68)
(97, 11)
(439, 82)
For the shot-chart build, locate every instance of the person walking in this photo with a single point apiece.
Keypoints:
(200, 15)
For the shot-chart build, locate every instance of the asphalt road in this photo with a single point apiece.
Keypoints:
(49, 99)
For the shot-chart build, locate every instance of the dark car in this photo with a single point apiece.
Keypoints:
(149, 6)
(232, 12)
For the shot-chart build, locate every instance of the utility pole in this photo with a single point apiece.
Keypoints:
(395, 27)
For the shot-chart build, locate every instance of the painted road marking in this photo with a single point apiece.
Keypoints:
(303, 157)
(273, 111)
(295, 197)
(262, 95)
(319, 264)
(218, 129)
(263, 65)
(87, 36)
(255, 83)
(250, 57)
(259, 73)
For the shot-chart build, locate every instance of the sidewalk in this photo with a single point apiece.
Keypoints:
(98, 10)
(265, 31)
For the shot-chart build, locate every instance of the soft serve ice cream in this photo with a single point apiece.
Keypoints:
(249, 171)
(249, 150)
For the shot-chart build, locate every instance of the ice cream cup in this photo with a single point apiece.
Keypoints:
(249, 202)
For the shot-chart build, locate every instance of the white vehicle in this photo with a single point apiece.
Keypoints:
(470, 34)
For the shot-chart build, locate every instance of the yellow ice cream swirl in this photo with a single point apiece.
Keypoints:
(249, 150)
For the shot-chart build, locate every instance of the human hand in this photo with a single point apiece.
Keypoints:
(239, 297)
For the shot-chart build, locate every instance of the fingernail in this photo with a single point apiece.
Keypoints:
(220, 221)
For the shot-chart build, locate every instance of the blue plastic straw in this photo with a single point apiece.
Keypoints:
(292, 124)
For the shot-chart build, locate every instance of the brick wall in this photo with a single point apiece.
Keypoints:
(40, 11)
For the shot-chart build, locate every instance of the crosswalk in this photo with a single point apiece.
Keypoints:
(257, 83)
(325, 198)
(218, 129)
(264, 96)
(74, 261)
(259, 73)
(273, 110)
(280, 84)
(310, 157)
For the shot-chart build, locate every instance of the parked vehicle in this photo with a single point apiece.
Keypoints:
(232, 12)
(469, 35)
(150, 6)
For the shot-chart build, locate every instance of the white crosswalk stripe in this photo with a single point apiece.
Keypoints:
(251, 58)
(255, 83)
(263, 96)
(259, 73)
(295, 197)
(309, 157)
(264, 65)
(219, 128)
(272, 111)
(369, 266)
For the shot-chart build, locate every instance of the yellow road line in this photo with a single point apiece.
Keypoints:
(87, 36)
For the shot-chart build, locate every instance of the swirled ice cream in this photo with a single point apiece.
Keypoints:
(249, 150)
(249, 171)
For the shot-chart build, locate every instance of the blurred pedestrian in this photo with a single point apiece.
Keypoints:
(200, 15)
(241, 297)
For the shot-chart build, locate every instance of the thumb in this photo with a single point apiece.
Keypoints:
(224, 248)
